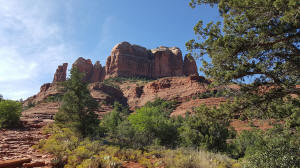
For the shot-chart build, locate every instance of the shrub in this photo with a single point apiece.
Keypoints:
(111, 121)
(61, 143)
(185, 158)
(208, 128)
(278, 147)
(54, 98)
(154, 122)
(10, 112)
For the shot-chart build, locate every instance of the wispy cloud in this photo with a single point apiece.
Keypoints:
(31, 45)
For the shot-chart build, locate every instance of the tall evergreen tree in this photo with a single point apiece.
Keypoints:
(258, 39)
(78, 106)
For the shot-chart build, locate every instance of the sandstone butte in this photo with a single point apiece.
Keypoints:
(173, 77)
(128, 60)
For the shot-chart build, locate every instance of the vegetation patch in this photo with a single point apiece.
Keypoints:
(10, 113)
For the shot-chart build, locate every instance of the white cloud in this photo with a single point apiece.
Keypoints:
(31, 45)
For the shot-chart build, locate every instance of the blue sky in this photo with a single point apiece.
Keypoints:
(38, 35)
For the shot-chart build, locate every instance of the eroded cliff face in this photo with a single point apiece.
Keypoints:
(98, 73)
(167, 62)
(61, 73)
(189, 66)
(127, 60)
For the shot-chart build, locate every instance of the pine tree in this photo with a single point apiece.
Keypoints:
(77, 110)
(259, 39)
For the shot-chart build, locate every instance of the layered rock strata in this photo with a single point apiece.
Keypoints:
(128, 60)
(61, 73)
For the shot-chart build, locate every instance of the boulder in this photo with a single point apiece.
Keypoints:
(128, 60)
(84, 66)
(189, 66)
(167, 62)
(61, 73)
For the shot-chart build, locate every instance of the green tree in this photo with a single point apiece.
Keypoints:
(111, 121)
(78, 107)
(1, 97)
(10, 112)
(258, 39)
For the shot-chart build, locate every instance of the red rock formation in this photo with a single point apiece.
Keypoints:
(168, 62)
(189, 66)
(84, 66)
(45, 87)
(98, 73)
(129, 60)
(61, 73)
(92, 73)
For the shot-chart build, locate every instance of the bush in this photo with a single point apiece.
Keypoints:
(10, 113)
(111, 121)
(190, 158)
(154, 122)
(208, 128)
(278, 147)
(54, 98)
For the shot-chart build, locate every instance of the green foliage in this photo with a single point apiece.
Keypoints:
(1, 97)
(154, 122)
(10, 112)
(218, 93)
(78, 107)
(277, 147)
(276, 109)
(257, 39)
(54, 98)
(60, 143)
(111, 121)
(208, 128)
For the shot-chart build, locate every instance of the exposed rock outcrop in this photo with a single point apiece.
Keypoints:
(84, 66)
(189, 66)
(106, 94)
(92, 73)
(46, 90)
(128, 60)
(167, 62)
(61, 73)
(98, 73)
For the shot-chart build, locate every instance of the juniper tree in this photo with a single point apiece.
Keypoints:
(78, 107)
(258, 39)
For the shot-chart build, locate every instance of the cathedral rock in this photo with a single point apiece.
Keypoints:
(127, 60)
